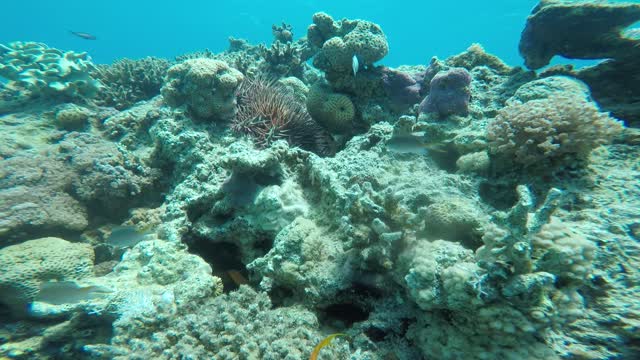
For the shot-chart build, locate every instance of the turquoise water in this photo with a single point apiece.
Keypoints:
(416, 30)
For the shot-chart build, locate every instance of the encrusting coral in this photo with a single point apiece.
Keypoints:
(25, 266)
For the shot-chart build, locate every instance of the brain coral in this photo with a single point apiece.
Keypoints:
(333, 111)
(562, 127)
(24, 266)
(340, 41)
(206, 86)
(43, 71)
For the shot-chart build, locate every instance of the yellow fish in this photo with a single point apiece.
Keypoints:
(326, 341)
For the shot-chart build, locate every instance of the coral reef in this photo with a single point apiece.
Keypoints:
(267, 112)
(578, 30)
(207, 87)
(338, 42)
(128, 81)
(401, 87)
(72, 117)
(39, 71)
(552, 128)
(334, 111)
(449, 93)
(257, 213)
(51, 191)
(26, 265)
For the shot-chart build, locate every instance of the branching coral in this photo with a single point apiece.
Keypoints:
(283, 59)
(267, 112)
(561, 128)
(129, 81)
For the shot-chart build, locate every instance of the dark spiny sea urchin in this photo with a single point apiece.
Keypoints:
(267, 112)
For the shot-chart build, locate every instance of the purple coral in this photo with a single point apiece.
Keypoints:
(449, 93)
(402, 89)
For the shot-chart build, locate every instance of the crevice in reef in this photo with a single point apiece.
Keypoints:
(343, 315)
(224, 258)
(446, 157)
(499, 196)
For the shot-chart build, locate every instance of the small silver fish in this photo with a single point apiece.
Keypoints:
(68, 292)
(412, 143)
(127, 236)
(83, 35)
(355, 65)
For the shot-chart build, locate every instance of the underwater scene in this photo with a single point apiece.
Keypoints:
(320, 180)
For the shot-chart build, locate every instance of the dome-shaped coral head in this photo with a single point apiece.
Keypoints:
(449, 93)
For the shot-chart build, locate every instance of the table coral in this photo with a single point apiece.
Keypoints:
(578, 30)
(42, 71)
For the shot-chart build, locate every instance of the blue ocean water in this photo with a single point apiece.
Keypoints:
(416, 29)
